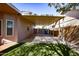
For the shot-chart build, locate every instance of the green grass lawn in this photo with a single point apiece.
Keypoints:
(42, 49)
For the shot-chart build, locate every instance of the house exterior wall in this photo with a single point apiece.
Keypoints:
(24, 30)
(3, 18)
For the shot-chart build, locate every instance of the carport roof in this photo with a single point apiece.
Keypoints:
(42, 20)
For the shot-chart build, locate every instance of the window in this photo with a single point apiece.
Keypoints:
(10, 27)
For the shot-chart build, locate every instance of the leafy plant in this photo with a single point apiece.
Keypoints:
(42, 49)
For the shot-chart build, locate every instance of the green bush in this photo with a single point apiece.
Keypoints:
(42, 49)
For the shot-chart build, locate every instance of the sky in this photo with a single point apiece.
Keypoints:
(38, 8)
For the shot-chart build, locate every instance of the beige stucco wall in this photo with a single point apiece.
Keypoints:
(3, 17)
(23, 32)
(20, 31)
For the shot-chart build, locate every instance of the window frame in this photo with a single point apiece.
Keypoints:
(12, 27)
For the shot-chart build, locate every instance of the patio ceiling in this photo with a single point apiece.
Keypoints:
(42, 20)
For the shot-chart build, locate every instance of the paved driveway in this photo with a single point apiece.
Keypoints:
(41, 38)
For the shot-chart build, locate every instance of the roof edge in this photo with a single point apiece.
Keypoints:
(42, 16)
(12, 6)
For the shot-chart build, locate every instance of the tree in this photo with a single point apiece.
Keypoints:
(64, 7)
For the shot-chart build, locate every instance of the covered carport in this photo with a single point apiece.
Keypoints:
(43, 22)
